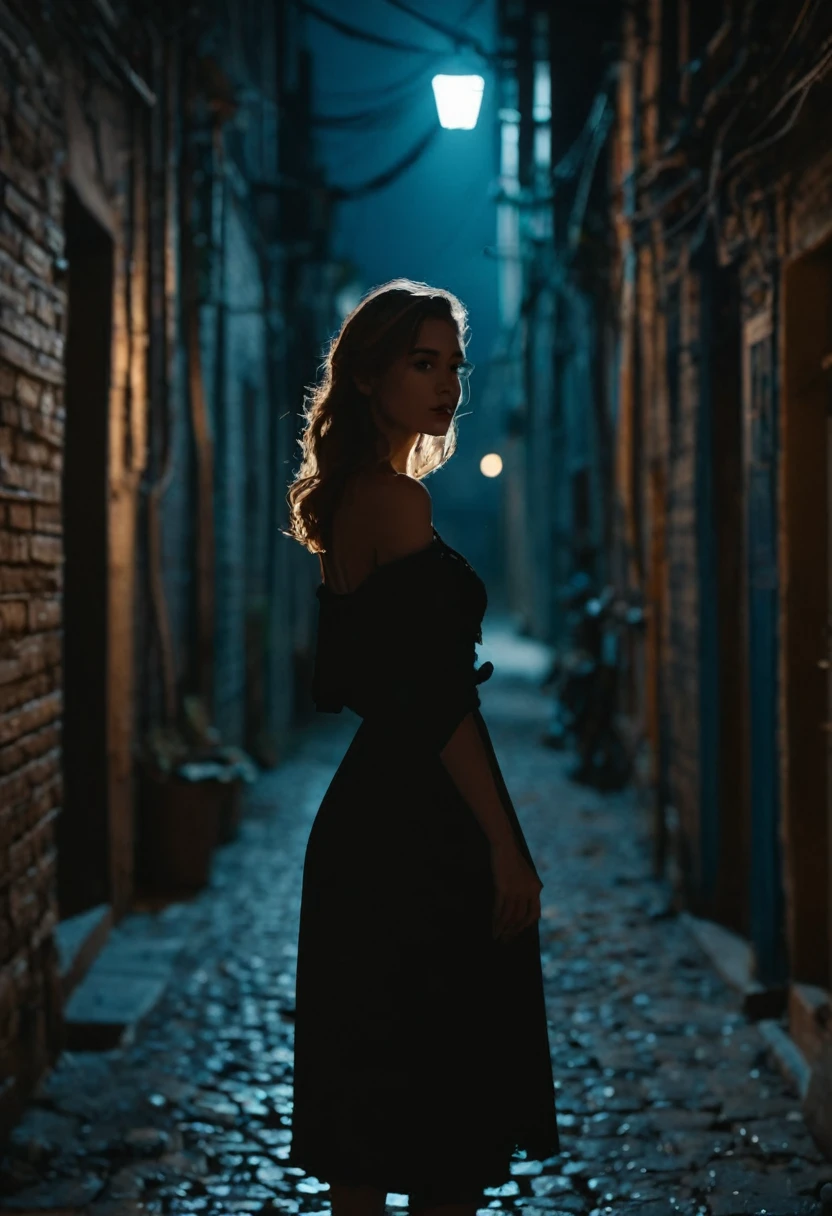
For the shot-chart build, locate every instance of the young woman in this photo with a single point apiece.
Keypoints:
(421, 1050)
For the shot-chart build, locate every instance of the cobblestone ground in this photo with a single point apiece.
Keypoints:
(666, 1100)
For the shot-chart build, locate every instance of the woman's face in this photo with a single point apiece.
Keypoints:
(421, 390)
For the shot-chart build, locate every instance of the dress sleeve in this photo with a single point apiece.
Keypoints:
(435, 686)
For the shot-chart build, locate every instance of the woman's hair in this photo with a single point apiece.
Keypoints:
(340, 436)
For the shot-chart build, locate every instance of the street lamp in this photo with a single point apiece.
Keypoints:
(458, 100)
(491, 465)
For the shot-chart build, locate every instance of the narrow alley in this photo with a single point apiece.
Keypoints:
(266, 267)
(667, 1099)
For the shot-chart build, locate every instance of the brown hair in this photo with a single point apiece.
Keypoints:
(340, 436)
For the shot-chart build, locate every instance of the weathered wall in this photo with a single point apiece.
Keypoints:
(683, 616)
(107, 455)
(241, 408)
(32, 305)
(722, 480)
(805, 526)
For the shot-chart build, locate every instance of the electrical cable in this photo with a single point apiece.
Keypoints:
(815, 76)
(378, 90)
(808, 77)
(718, 174)
(602, 116)
(372, 119)
(353, 31)
(569, 164)
(707, 200)
(388, 111)
(716, 155)
(457, 36)
(388, 176)
(397, 95)
(689, 215)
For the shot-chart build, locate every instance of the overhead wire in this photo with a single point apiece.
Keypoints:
(805, 81)
(602, 119)
(389, 175)
(717, 173)
(380, 90)
(809, 9)
(387, 112)
(457, 36)
(812, 78)
(371, 119)
(355, 32)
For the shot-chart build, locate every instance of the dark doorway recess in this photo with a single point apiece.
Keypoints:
(724, 738)
(807, 611)
(761, 449)
(82, 829)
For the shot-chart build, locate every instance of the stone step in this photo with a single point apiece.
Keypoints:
(122, 986)
(78, 940)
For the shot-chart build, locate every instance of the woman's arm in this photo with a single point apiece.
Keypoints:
(402, 524)
(466, 760)
(516, 884)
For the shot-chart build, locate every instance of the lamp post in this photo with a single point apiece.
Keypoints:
(458, 100)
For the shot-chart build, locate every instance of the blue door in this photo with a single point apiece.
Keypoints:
(767, 913)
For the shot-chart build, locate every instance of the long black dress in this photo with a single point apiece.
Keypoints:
(421, 1048)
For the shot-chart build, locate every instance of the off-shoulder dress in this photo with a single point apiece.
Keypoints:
(421, 1057)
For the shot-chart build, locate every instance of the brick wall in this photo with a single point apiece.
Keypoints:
(683, 598)
(32, 306)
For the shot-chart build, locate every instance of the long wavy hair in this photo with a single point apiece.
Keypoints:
(340, 436)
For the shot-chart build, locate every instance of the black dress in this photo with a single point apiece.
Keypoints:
(421, 1056)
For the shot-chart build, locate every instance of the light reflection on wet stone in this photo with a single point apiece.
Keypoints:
(666, 1100)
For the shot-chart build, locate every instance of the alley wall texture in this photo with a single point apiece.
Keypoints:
(32, 308)
(157, 327)
(666, 294)
(720, 190)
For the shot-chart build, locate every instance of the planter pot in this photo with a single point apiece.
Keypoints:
(180, 825)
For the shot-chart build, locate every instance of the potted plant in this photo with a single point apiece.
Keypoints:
(190, 800)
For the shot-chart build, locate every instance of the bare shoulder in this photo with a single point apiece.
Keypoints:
(402, 514)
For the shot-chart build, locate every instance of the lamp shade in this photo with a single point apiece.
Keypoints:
(458, 100)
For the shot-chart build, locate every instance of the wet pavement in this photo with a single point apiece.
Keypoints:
(667, 1101)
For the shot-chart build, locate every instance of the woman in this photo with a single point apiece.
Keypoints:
(421, 1050)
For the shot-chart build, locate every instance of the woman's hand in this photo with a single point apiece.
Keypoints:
(516, 892)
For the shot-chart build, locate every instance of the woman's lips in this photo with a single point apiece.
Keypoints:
(445, 410)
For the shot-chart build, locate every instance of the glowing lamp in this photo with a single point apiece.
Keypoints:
(491, 465)
(458, 100)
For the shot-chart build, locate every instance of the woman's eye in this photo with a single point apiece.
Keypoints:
(423, 364)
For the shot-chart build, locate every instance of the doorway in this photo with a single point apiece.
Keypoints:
(761, 451)
(724, 815)
(807, 610)
(83, 838)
